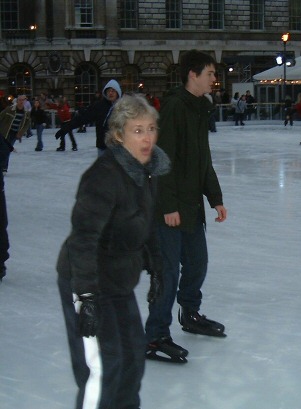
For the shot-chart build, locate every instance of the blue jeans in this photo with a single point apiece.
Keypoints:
(184, 253)
(40, 129)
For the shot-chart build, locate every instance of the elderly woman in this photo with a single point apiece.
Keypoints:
(111, 242)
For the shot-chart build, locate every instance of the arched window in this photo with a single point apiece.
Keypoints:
(20, 81)
(130, 81)
(173, 76)
(85, 84)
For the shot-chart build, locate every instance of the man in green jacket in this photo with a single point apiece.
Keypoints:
(183, 136)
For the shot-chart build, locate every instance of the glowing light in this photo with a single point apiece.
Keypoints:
(285, 37)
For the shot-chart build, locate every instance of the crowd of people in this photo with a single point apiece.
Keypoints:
(238, 108)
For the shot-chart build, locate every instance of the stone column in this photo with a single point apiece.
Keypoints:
(111, 23)
(41, 19)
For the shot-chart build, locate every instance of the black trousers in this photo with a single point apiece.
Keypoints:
(5, 149)
(122, 349)
(4, 243)
(72, 139)
(122, 340)
(85, 353)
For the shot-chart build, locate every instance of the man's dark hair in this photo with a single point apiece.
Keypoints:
(195, 61)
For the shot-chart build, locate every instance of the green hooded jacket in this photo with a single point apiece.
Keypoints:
(183, 135)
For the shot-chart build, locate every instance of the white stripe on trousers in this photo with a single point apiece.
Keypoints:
(93, 361)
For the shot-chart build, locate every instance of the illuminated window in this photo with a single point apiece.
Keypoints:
(173, 76)
(130, 81)
(85, 84)
(19, 81)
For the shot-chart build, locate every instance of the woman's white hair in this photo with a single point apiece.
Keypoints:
(129, 106)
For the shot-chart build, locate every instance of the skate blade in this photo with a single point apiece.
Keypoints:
(217, 334)
(155, 356)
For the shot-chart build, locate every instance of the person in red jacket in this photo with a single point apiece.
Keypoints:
(64, 114)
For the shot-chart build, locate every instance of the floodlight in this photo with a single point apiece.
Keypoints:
(279, 59)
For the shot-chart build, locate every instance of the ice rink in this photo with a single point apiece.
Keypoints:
(253, 284)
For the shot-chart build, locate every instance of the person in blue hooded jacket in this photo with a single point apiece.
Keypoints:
(98, 112)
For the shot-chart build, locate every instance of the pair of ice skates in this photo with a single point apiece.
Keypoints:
(164, 349)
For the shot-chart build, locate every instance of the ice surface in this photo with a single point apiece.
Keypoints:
(253, 284)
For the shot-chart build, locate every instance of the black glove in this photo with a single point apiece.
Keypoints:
(88, 315)
(156, 286)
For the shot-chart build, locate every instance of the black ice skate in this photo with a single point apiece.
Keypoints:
(195, 323)
(164, 349)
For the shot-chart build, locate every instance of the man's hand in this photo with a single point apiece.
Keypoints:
(172, 219)
(221, 212)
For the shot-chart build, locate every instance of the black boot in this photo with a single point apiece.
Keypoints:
(195, 323)
(60, 149)
(164, 349)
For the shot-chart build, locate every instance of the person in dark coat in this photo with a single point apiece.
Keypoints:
(288, 111)
(180, 207)
(112, 240)
(40, 119)
(4, 242)
(250, 100)
(98, 112)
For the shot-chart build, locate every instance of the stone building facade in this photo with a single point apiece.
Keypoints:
(73, 47)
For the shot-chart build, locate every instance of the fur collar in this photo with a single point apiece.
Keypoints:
(158, 165)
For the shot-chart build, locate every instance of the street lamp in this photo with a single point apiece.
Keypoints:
(285, 38)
